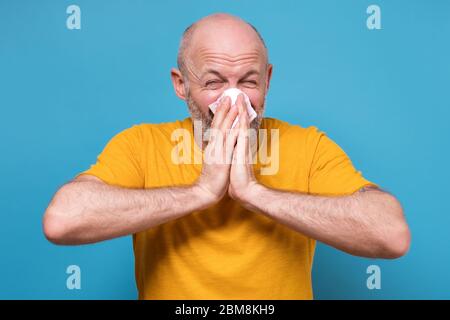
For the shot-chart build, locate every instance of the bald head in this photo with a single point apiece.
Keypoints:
(222, 31)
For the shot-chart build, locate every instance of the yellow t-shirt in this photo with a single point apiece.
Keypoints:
(225, 251)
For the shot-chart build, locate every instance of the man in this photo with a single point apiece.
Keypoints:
(224, 230)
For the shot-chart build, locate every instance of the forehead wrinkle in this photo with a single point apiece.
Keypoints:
(220, 75)
(192, 72)
(227, 61)
(210, 54)
(227, 69)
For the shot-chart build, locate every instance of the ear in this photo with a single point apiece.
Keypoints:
(178, 83)
(269, 76)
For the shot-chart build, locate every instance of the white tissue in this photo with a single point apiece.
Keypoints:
(233, 94)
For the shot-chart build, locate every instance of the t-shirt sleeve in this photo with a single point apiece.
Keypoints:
(331, 171)
(120, 162)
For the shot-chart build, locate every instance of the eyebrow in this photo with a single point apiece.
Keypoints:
(218, 74)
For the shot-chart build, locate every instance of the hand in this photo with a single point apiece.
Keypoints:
(242, 179)
(215, 176)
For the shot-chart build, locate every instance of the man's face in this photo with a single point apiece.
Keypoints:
(233, 60)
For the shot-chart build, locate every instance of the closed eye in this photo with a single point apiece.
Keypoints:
(213, 84)
(249, 83)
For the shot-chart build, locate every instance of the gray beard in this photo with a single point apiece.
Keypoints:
(206, 119)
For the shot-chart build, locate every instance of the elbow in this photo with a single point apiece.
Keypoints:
(397, 237)
(398, 243)
(62, 223)
(55, 228)
(58, 227)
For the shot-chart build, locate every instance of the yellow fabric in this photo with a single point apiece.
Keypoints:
(225, 252)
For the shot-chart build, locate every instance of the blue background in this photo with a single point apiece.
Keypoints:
(382, 95)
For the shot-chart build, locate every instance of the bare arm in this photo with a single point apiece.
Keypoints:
(367, 223)
(88, 210)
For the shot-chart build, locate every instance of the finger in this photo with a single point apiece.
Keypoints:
(230, 117)
(243, 114)
(231, 144)
(242, 145)
(221, 112)
(240, 103)
(240, 150)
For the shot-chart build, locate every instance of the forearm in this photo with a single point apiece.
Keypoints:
(89, 211)
(367, 223)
